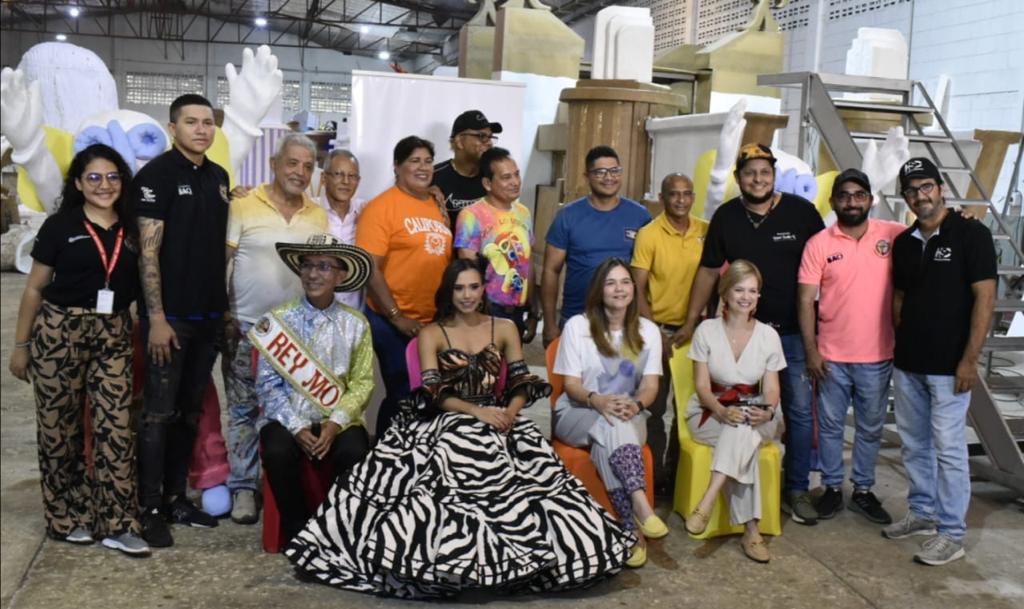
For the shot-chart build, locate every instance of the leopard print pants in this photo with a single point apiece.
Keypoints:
(74, 357)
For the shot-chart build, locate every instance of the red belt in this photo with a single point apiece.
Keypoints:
(728, 394)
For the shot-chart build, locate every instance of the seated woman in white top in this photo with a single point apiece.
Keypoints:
(611, 360)
(736, 363)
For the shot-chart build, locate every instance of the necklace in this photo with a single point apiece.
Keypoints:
(756, 220)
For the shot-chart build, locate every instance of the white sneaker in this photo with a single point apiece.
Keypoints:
(128, 543)
(79, 535)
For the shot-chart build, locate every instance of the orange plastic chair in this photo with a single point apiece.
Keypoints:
(577, 460)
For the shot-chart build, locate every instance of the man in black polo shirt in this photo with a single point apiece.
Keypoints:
(770, 229)
(181, 198)
(459, 177)
(944, 275)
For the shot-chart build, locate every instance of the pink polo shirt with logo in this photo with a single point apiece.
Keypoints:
(855, 282)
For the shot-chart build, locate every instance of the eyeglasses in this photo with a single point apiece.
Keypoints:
(860, 197)
(95, 179)
(323, 267)
(341, 175)
(603, 172)
(482, 136)
(911, 192)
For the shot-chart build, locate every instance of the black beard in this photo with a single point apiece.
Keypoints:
(851, 219)
(749, 198)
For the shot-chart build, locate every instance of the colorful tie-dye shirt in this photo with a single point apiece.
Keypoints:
(505, 239)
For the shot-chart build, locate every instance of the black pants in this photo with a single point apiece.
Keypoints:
(172, 403)
(282, 458)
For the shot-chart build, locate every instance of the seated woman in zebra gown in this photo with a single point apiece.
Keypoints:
(462, 492)
(611, 360)
(736, 363)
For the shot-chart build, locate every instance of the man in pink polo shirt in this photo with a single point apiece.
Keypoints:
(850, 265)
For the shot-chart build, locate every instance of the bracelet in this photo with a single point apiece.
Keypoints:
(640, 405)
(23, 344)
(590, 395)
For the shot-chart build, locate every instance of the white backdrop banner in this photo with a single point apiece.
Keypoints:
(387, 107)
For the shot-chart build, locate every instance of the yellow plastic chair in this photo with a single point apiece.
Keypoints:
(694, 472)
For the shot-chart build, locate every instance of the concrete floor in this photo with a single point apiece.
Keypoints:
(842, 563)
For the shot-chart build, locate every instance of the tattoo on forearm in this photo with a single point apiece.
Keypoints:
(151, 235)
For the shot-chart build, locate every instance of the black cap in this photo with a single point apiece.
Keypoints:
(919, 167)
(473, 119)
(851, 175)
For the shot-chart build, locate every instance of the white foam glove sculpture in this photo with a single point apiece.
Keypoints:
(728, 146)
(21, 120)
(882, 164)
(251, 94)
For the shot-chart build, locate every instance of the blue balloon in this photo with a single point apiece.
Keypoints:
(217, 500)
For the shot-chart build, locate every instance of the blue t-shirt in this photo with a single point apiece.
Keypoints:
(589, 237)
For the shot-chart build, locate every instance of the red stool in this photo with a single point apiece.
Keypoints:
(315, 480)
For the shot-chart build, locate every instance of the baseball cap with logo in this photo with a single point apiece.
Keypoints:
(851, 175)
(749, 152)
(473, 119)
(916, 168)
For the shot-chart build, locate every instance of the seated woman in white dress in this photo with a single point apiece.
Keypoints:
(736, 364)
(611, 360)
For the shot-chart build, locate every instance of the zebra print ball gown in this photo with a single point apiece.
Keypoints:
(444, 503)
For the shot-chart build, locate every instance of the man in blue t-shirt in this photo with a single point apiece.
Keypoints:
(584, 234)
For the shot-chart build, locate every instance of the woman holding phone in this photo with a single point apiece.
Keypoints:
(736, 364)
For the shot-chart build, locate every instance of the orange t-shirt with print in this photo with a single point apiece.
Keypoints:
(411, 236)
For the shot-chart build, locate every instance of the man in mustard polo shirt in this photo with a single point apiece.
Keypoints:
(665, 261)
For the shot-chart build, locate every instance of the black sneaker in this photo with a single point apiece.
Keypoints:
(154, 529)
(830, 503)
(183, 511)
(865, 502)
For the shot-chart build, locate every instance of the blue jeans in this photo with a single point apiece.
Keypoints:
(931, 419)
(797, 407)
(389, 345)
(243, 411)
(867, 387)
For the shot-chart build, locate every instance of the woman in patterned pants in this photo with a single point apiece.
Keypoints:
(74, 341)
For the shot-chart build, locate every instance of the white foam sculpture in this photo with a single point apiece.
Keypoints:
(623, 44)
(877, 52)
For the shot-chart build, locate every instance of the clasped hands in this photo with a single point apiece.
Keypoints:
(316, 447)
(741, 414)
(615, 406)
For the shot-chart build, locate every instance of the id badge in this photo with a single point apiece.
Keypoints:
(105, 301)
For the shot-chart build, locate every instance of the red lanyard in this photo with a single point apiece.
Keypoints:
(108, 264)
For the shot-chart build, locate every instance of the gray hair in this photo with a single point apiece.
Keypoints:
(340, 152)
(294, 139)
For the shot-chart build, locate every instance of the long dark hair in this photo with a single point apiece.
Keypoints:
(444, 297)
(594, 308)
(72, 198)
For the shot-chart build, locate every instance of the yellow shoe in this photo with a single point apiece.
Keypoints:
(637, 556)
(653, 527)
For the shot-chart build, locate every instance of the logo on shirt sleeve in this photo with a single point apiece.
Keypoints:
(882, 247)
(631, 234)
(224, 193)
(148, 196)
(943, 254)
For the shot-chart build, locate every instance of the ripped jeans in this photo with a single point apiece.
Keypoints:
(173, 401)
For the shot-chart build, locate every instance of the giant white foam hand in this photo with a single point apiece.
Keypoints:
(882, 164)
(252, 92)
(21, 120)
(728, 146)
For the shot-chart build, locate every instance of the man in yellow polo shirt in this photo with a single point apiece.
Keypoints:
(665, 260)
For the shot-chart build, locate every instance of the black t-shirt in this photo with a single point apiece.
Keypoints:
(775, 246)
(64, 244)
(935, 278)
(459, 191)
(192, 200)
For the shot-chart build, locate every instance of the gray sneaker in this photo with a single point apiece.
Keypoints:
(911, 524)
(80, 535)
(129, 543)
(800, 507)
(939, 550)
(245, 507)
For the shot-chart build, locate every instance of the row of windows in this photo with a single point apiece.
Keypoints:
(162, 89)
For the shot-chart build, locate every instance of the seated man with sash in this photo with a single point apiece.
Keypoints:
(315, 372)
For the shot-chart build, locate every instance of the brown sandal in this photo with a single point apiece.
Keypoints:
(697, 522)
(756, 550)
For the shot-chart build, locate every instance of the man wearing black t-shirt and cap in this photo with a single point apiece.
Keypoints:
(944, 279)
(770, 229)
(181, 198)
(459, 177)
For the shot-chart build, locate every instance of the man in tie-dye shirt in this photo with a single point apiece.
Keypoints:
(499, 229)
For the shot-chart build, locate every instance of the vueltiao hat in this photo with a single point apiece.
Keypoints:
(355, 259)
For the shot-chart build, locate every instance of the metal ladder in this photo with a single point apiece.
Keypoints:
(1001, 439)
